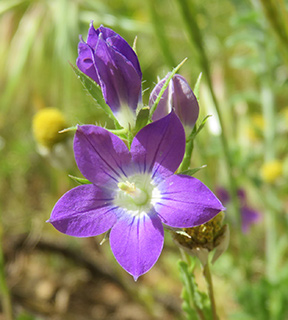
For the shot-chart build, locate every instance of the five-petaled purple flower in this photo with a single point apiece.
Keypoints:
(110, 61)
(134, 192)
(178, 96)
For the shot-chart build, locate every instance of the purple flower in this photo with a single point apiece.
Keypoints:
(133, 192)
(249, 216)
(109, 60)
(178, 96)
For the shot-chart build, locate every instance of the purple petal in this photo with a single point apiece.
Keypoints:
(186, 202)
(137, 243)
(178, 96)
(122, 46)
(249, 216)
(119, 80)
(184, 101)
(159, 147)
(100, 155)
(84, 211)
(85, 61)
(93, 35)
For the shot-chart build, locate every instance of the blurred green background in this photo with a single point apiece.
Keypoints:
(241, 47)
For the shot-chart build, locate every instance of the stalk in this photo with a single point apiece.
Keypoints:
(189, 13)
(208, 278)
(5, 294)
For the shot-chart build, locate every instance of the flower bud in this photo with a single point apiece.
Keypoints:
(199, 241)
(178, 96)
(110, 61)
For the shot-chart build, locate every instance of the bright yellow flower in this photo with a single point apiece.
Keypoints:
(46, 126)
(271, 171)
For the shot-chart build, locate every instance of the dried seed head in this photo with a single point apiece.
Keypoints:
(200, 240)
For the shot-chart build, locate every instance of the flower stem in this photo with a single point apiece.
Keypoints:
(268, 109)
(208, 278)
(187, 157)
(189, 13)
(160, 33)
(5, 294)
(187, 279)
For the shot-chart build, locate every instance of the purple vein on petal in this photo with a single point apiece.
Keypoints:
(76, 214)
(108, 165)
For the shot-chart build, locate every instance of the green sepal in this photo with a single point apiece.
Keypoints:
(73, 129)
(197, 129)
(191, 172)
(142, 118)
(121, 133)
(196, 89)
(79, 180)
(171, 75)
(95, 91)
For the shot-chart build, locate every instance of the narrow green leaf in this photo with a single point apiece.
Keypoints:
(197, 86)
(9, 5)
(191, 172)
(79, 180)
(96, 93)
(197, 129)
(73, 128)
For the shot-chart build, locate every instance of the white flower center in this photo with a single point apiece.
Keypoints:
(137, 194)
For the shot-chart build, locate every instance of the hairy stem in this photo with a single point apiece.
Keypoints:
(208, 278)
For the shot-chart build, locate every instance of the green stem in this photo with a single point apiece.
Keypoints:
(277, 15)
(187, 157)
(189, 14)
(160, 33)
(5, 294)
(208, 278)
(267, 101)
(187, 280)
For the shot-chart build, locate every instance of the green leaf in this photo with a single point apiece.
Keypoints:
(79, 180)
(191, 172)
(194, 301)
(9, 5)
(142, 118)
(73, 128)
(197, 129)
(196, 89)
(95, 91)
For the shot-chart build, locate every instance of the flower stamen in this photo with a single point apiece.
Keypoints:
(138, 196)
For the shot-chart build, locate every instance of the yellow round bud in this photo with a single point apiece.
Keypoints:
(46, 126)
(271, 171)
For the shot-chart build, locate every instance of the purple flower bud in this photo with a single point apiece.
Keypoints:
(177, 96)
(110, 61)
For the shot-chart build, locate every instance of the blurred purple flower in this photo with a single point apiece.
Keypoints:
(133, 192)
(110, 61)
(249, 216)
(178, 96)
